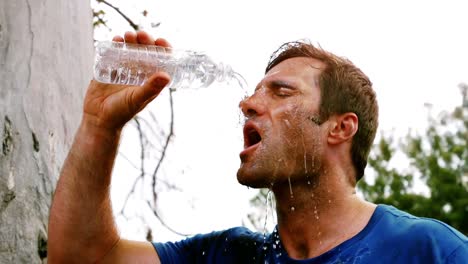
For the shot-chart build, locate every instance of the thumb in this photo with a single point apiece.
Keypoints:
(153, 86)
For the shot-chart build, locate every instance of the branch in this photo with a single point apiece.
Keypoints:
(128, 160)
(132, 24)
(153, 133)
(168, 184)
(132, 191)
(148, 142)
(166, 145)
(153, 209)
(156, 170)
(155, 120)
(142, 147)
(151, 128)
(142, 165)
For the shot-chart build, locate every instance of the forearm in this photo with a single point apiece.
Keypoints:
(81, 224)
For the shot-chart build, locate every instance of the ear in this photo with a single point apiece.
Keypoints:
(343, 128)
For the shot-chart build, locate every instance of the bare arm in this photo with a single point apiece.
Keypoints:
(81, 224)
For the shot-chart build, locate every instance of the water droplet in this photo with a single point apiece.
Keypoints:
(305, 153)
(292, 208)
(203, 253)
(329, 201)
(290, 188)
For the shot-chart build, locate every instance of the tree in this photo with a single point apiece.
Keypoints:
(46, 57)
(437, 159)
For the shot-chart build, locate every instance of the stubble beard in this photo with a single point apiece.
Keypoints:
(276, 166)
(259, 170)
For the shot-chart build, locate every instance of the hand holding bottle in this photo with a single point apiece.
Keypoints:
(107, 107)
(81, 222)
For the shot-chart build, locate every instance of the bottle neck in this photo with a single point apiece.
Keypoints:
(225, 72)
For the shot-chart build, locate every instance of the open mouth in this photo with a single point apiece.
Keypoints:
(251, 136)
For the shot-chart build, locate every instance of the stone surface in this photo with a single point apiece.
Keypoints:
(46, 56)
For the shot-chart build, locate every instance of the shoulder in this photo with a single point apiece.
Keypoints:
(235, 233)
(242, 239)
(424, 236)
(404, 223)
(214, 237)
(217, 246)
(241, 232)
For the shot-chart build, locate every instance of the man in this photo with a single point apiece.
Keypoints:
(309, 126)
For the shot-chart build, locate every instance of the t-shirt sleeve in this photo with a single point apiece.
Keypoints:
(189, 250)
(229, 246)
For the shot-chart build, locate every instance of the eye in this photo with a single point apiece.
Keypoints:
(283, 91)
(282, 88)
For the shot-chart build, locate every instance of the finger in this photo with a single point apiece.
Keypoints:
(142, 95)
(130, 37)
(162, 42)
(144, 38)
(118, 39)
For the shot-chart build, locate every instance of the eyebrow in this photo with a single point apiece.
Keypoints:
(282, 83)
(277, 83)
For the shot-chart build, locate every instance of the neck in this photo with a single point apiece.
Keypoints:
(314, 217)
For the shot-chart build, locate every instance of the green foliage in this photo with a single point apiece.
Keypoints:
(98, 18)
(438, 158)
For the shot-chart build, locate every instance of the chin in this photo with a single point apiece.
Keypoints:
(253, 179)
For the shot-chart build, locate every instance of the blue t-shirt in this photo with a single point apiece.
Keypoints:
(391, 236)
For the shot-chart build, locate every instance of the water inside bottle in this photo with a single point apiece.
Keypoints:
(133, 64)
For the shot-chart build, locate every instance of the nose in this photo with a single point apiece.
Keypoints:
(253, 105)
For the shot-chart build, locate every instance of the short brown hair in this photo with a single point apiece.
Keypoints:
(344, 88)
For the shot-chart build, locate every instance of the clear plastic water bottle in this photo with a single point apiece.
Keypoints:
(133, 64)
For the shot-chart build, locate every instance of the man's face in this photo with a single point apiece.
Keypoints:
(281, 142)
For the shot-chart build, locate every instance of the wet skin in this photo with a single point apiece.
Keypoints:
(282, 144)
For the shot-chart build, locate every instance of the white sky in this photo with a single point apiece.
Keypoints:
(413, 51)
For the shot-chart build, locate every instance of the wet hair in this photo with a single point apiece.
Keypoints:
(344, 88)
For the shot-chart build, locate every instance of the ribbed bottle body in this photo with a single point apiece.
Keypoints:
(133, 64)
